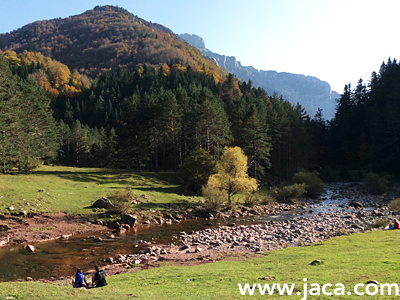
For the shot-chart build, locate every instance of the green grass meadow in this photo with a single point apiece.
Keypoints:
(347, 259)
(74, 190)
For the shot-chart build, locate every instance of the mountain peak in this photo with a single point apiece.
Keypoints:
(132, 17)
(111, 8)
(194, 39)
(311, 92)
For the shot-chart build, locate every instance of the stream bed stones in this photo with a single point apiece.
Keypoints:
(304, 223)
(330, 217)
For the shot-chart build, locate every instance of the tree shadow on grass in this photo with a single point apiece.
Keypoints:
(123, 177)
(139, 190)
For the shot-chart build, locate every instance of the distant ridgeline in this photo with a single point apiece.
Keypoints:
(310, 92)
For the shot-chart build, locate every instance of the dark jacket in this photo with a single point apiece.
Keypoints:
(100, 278)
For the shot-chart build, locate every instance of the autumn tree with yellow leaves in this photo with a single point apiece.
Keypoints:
(232, 174)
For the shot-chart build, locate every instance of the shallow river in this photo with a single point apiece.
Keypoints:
(63, 257)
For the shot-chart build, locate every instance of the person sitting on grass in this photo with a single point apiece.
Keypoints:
(99, 278)
(79, 281)
(395, 225)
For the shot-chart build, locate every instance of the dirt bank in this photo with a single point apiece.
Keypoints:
(43, 227)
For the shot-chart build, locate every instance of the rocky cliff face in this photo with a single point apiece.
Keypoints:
(309, 91)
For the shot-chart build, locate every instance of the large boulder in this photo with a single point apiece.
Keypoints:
(129, 219)
(103, 203)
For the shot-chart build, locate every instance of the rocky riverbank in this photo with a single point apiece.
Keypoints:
(344, 209)
(159, 218)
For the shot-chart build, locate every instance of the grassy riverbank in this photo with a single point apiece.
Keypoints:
(348, 260)
(74, 190)
(53, 189)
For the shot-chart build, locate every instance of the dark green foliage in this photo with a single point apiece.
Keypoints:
(366, 127)
(196, 170)
(289, 192)
(329, 174)
(37, 138)
(28, 131)
(314, 184)
(250, 129)
(110, 149)
(292, 146)
(375, 184)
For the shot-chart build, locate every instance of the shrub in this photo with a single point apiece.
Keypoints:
(251, 200)
(375, 184)
(380, 222)
(121, 200)
(290, 192)
(394, 205)
(214, 198)
(314, 185)
(28, 164)
(267, 200)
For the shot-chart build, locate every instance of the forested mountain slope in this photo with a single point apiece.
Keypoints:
(106, 38)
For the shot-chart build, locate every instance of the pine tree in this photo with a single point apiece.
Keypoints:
(9, 122)
(28, 128)
(37, 139)
(110, 149)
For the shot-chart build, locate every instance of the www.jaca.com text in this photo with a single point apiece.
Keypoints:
(315, 289)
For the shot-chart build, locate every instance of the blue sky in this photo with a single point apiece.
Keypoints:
(337, 41)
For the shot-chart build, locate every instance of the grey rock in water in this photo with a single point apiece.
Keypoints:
(129, 219)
